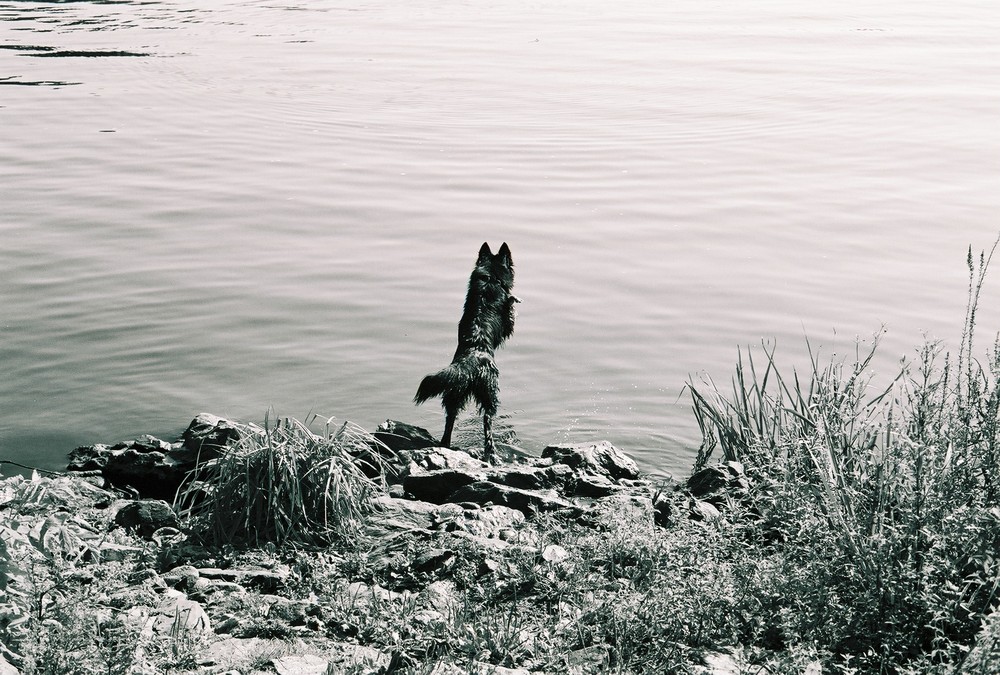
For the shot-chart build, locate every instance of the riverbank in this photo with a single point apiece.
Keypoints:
(294, 551)
(453, 564)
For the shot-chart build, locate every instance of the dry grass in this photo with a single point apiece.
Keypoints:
(283, 484)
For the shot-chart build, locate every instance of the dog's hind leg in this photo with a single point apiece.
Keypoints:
(489, 446)
(449, 426)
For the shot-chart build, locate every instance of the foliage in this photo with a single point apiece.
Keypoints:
(877, 508)
(60, 580)
(284, 484)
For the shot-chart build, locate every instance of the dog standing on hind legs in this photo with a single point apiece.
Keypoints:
(487, 322)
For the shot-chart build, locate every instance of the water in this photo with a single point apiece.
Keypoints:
(227, 206)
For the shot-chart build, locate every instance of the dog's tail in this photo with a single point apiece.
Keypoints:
(472, 377)
(452, 382)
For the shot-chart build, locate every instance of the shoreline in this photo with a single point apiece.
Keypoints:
(247, 549)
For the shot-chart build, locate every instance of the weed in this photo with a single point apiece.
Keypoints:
(882, 504)
(283, 484)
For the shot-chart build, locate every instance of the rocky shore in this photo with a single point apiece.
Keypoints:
(104, 546)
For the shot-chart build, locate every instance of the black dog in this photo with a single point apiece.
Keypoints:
(488, 320)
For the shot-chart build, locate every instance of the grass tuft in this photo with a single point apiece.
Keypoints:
(284, 484)
(879, 506)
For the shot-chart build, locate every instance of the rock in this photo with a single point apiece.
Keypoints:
(358, 660)
(594, 486)
(405, 514)
(610, 512)
(183, 577)
(151, 472)
(488, 522)
(243, 655)
(146, 516)
(294, 612)
(400, 436)
(153, 467)
(434, 562)
(716, 484)
(531, 477)
(435, 459)
(89, 458)
(178, 616)
(305, 664)
(361, 594)
(442, 597)
(438, 487)
(264, 581)
(706, 511)
(210, 435)
(594, 458)
(587, 661)
(147, 443)
(528, 502)
(723, 663)
(141, 464)
(554, 553)
(475, 669)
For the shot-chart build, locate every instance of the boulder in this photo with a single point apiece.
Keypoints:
(587, 661)
(528, 502)
(594, 486)
(400, 436)
(153, 467)
(146, 516)
(210, 435)
(405, 514)
(436, 459)
(609, 512)
(594, 458)
(475, 668)
(148, 469)
(434, 561)
(716, 484)
(153, 473)
(261, 580)
(300, 664)
(179, 618)
(699, 510)
(527, 477)
(182, 577)
(438, 487)
(359, 659)
(489, 522)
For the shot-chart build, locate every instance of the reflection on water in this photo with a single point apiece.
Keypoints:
(293, 194)
(38, 83)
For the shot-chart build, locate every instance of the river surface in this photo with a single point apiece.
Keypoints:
(235, 206)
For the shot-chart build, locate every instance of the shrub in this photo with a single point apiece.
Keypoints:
(879, 506)
(281, 484)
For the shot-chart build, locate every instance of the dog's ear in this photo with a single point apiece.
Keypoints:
(504, 254)
(484, 252)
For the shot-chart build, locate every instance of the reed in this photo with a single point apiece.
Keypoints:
(284, 484)
(886, 496)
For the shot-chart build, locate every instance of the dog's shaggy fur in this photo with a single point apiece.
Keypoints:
(488, 320)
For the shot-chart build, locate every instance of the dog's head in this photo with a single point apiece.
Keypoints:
(498, 268)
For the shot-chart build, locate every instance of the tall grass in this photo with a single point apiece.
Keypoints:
(281, 484)
(882, 503)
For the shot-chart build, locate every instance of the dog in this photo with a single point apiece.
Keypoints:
(487, 322)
